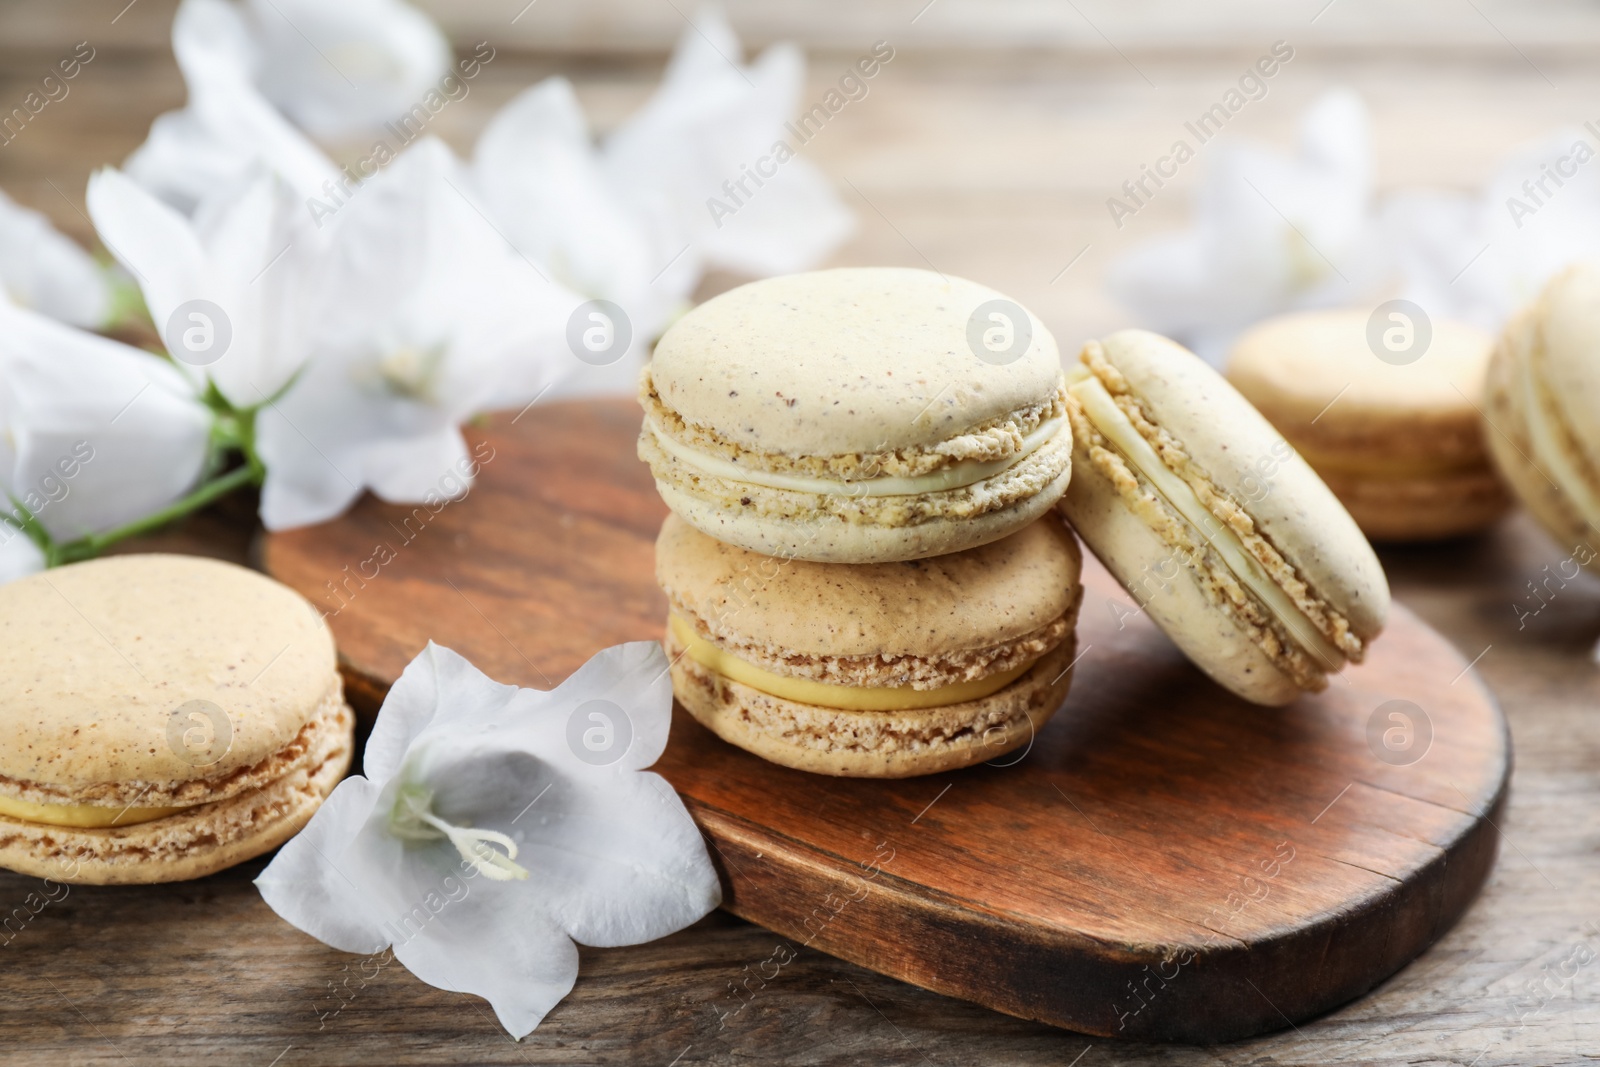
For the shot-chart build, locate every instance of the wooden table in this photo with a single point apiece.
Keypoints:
(992, 161)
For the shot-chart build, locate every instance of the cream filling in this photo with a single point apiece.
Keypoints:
(956, 476)
(1116, 427)
(826, 695)
(88, 816)
(1550, 453)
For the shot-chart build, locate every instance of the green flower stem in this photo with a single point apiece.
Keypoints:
(92, 545)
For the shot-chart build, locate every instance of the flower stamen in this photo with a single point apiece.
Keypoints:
(412, 819)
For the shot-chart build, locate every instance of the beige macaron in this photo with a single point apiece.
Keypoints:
(1399, 438)
(1218, 529)
(165, 717)
(860, 415)
(1542, 410)
(879, 670)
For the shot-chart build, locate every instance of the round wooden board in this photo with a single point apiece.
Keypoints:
(1164, 863)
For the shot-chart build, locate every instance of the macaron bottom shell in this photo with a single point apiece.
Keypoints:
(874, 744)
(201, 839)
(1421, 509)
(1176, 596)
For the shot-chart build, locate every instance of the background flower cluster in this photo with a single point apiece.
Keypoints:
(325, 330)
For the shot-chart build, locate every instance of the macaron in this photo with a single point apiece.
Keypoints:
(862, 415)
(1541, 396)
(877, 670)
(1219, 531)
(1399, 438)
(165, 717)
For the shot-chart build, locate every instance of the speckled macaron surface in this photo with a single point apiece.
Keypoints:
(1217, 528)
(198, 698)
(857, 415)
(1399, 439)
(1541, 399)
(1003, 613)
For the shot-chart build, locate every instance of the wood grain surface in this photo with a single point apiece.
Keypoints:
(988, 147)
(1166, 862)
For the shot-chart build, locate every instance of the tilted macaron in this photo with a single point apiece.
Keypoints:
(881, 670)
(1399, 443)
(1255, 571)
(165, 717)
(1542, 409)
(857, 416)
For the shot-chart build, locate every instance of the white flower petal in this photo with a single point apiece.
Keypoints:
(310, 882)
(344, 68)
(227, 128)
(1271, 233)
(124, 422)
(251, 254)
(709, 122)
(540, 176)
(303, 485)
(19, 556)
(411, 333)
(438, 685)
(42, 269)
(154, 242)
(633, 677)
(620, 862)
(420, 469)
(523, 968)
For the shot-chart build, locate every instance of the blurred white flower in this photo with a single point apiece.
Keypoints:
(628, 222)
(252, 256)
(1478, 257)
(1271, 234)
(94, 434)
(44, 269)
(712, 117)
(19, 556)
(480, 842)
(545, 183)
(339, 69)
(424, 317)
(227, 130)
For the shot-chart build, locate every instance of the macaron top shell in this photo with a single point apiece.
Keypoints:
(96, 658)
(1314, 376)
(1278, 495)
(853, 360)
(930, 607)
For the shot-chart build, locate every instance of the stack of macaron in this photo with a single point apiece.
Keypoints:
(863, 567)
(165, 717)
(870, 470)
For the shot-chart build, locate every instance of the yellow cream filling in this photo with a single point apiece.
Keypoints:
(88, 816)
(1116, 427)
(1552, 455)
(956, 476)
(844, 697)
